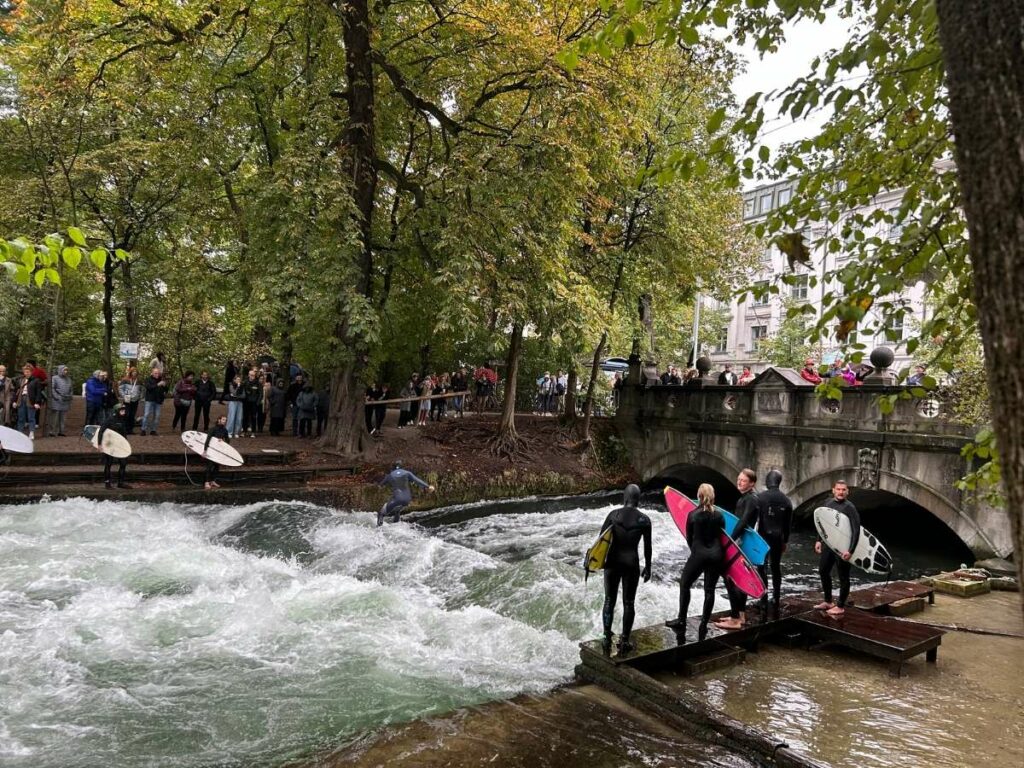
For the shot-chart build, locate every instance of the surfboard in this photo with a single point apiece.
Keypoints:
(598, 553)
(834, 530)
(752, 544)
(737, 568)
(114, 445)
(14, 441)
(219, 451)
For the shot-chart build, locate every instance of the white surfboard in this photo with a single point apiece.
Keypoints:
(114, 444)
(14, 441)
(219, 451)
(834, 529)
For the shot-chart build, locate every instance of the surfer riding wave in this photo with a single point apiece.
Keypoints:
(398, 481)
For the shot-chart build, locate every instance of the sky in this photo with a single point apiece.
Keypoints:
(804, 41)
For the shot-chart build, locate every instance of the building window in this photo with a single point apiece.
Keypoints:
(896, 228)
(757, 333)
(748, 207)
(894, 329)
(784, 195)
(722, 342)
(761, 297)
(766, 254)
(764, 203)
(798, 290)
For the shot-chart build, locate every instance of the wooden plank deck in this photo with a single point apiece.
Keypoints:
(890, 639)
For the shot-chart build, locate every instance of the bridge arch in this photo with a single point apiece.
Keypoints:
(897, 486)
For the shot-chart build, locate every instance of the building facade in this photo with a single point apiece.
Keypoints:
(754, 319)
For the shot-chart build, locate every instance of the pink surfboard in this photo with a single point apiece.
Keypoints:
(738, 568)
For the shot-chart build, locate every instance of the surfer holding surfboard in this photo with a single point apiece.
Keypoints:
(704, 529)
(841, 560)
(622, 564)
(747, 510)
(219, 431)
(114, 423)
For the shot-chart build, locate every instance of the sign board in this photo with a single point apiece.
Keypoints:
(128, 350)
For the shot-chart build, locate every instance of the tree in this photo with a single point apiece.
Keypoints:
(789, 347)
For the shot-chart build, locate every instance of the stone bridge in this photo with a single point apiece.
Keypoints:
(779, 422)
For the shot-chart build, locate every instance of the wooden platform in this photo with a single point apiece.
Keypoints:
(878, 636)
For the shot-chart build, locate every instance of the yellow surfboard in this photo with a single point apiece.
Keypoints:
(598, 553)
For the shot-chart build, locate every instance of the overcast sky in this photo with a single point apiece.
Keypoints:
(804, 41)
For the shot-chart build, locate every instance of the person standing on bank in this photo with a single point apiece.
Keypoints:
(130, 392)
(622, 565)
(776, 517)
(747, 510)
(704, 529)
(206, 392)
(61, 392)
(184, 396)
(156, 391)
(843, 505)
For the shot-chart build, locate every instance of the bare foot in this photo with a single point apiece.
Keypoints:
(836, 611)
(824, 606)
(729, 624)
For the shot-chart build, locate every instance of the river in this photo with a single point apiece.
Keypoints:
(139, 634)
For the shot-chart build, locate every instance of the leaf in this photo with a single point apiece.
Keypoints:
(689, 35)
(792, 244)
(98, 258)
(122, 255)
(76, 236)
(40, 278)
(72, 256)
(22, 276)
(716, 119)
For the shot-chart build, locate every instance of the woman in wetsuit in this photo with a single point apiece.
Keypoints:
(628, 525)
(704, 529)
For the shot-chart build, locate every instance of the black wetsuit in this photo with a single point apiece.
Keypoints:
(704, 535)
(748, 510)
(212, 467)
(401, 494)
(115, 424)
(776, 517)
(629, 525)
(830, 558)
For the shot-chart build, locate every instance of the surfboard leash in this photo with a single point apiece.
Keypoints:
(187, 475)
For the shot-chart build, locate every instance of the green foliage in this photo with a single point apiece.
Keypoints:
(788, 347)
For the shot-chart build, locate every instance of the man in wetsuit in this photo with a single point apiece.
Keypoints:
(220, 431)
(704, 529)
(398, 480)
(841, 504)
(748, 511)
(115, 423)
(622, 564)
(776, 516)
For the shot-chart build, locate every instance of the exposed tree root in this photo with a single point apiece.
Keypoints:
(509, 446)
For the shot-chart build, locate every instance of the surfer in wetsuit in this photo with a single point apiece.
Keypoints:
(220, 431)
(776, 516)
(115, 423)
(398, 480)
(747, 511)
(841, 504)
(622, 565)
(704, 529)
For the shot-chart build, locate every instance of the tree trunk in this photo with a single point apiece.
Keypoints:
(131, 316)
(983, 46)
(346, 428)
(569, 412)
(108, 315)
(506, 442)
(588, 404)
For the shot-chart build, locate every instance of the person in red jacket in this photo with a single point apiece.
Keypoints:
(810, 372)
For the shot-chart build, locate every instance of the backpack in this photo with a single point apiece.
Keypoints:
(559, 388)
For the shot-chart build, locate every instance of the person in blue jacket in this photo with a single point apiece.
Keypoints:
(398, 481)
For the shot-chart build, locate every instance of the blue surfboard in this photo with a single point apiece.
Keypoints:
(751, 544)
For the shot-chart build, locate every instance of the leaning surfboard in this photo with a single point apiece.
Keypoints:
(598, 553)
(835, 531)
(219, 451)
(752, 544)
(14, 441)
(114, 444)
(737, 568)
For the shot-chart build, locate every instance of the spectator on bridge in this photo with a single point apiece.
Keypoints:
(917, 377)
(727, 378)
(746, 377)
(849, 375)
(810, 372)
